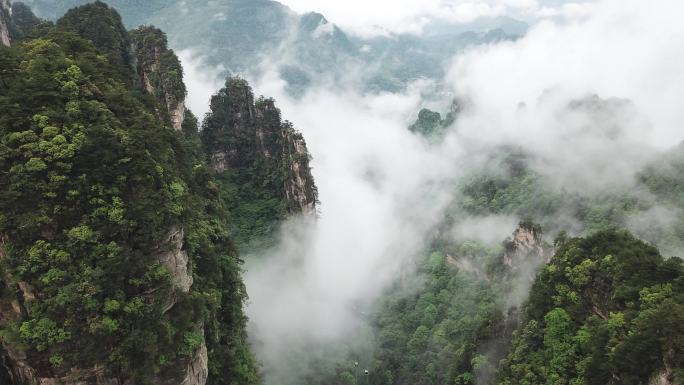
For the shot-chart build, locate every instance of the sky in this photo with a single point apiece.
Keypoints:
(368, 17)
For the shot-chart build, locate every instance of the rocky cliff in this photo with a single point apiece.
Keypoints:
(5, 15)
(526, 249)
(523, 254)
(115, 264)
(160, 73)
(243, 133)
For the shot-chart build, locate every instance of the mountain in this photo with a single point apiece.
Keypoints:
(117, 262)
(119, 220)
(238, 36)
(160, 73)
(262, 162)
(608, 309)
(600, 308)
(123, 217)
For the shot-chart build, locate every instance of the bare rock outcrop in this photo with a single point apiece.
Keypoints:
(198, 369)
(526, 248)
(300, 190)
(160, 73)
(5, 17)
(664, 377)
(176, 260)
(523, 254)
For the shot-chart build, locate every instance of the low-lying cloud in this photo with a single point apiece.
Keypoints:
(591, 99)
(381, 191)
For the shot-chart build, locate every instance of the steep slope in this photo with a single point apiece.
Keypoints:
(116, 264)
(160, 73)
(102, 26)
(607, 310)
(5, 21)
(158, 70)
(262, 161)
(458, 323)
(24, 21)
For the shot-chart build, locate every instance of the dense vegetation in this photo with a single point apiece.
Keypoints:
(651, 207)
(102, 26)
(253, 151)
(431, 125)
(458, 326)
(607, 310)
(23, 21)
(93, 185)
(431, 337)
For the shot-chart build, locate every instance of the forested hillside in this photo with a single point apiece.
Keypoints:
(603, 310)
(117, 264)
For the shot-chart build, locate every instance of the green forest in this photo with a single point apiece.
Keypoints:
(124, 233)
(94, 183)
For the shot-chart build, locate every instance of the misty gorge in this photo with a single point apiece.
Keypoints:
(341, 192)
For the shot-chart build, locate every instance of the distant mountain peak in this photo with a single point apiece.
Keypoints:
(314, 23)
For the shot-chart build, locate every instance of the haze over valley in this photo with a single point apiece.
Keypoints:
(341, 192)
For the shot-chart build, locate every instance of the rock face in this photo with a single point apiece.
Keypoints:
(300, 190)
(175, 260)
(198, 369)
(526, 247)
(170, 359)
(160, 73)
(242, 133)
(664, 377)
(5, 14)
(523, 254)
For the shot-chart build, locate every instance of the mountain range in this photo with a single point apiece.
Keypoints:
(246, 37)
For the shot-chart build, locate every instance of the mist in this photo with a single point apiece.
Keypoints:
(382, 191)
(559, 94)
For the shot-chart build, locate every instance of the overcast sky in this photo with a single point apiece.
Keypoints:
(378, 16)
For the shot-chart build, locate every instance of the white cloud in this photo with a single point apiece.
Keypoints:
(202, 81)
(369, 17)
(624, 49)
(383, 190)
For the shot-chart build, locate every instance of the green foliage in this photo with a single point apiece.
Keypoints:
(253, 151)
(653, 208)
(101, 25)
(159, 68)
(431, 125)
(93, 183)
(610, 310)
(439, 326)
